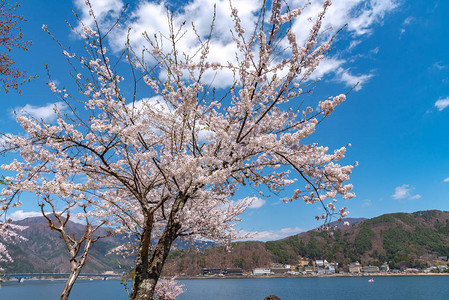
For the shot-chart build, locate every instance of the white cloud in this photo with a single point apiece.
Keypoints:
(442, 103)
(47, 112)
(157, 103)
(405, 192)
(104, 10)
(360, 15)
(350, 80)
(256, 202)
(446, 180)
(333, 66)
(20, 215)
(271, 235)
(326, 66)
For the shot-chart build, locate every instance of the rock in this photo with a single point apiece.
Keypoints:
(272, 297)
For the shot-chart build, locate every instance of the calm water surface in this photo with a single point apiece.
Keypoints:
(403, 287)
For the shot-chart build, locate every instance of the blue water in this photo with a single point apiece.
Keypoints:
(400, 287)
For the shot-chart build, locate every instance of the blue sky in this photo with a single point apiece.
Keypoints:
(397, 120)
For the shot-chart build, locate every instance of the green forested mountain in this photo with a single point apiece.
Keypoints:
(402, 239)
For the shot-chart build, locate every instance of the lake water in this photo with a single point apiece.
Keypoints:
(398, 287)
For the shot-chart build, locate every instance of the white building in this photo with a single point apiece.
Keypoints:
(261, 271)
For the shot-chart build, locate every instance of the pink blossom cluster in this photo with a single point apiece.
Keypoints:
(9, 233)
(168, 289)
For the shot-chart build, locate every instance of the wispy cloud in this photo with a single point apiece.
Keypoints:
(327, 65)
(46, 113)
(442, 103)
(256, 202)
(406, 23)
(354, 44)
(374, 51)
(446, 180)
(439, 65)
(271, 235)
(334, 66)
(405, 191)
(367, 202)
(350, 80)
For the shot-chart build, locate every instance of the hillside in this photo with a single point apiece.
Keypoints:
(45, 251)
(404, 240)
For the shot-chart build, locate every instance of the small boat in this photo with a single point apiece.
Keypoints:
(21, 279)
(371, 280)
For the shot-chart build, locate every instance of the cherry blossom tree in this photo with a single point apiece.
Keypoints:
(162, 157)
(11, 77)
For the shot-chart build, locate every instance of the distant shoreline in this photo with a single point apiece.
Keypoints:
(311, 276)
(49, 278)
(43, 278)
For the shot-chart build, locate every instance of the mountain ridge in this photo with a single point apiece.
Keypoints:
(403, 239)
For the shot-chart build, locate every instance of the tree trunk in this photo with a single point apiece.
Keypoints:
(146, 278)
(142, 287)
(76, 267)
(69, 284)
(148, 270)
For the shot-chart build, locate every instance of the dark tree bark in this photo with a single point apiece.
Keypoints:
(149, 267)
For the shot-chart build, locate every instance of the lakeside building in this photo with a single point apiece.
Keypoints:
(385, 267)
(321, 263)
(330, 269)
(302, 262)
(280, 268)
(309, 270)
(355, 267)
(233, 272)
(109, 273)
(370, 269)
(261, 271)
(320, 271)
(211, 271)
